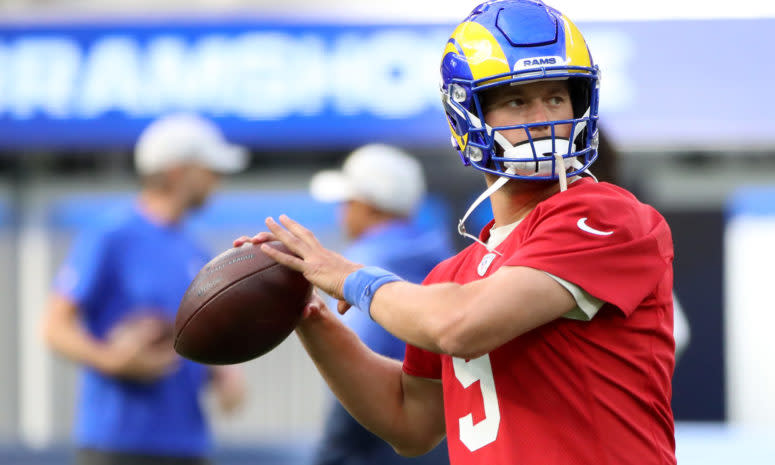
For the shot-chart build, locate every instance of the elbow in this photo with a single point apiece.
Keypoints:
(50, 327)
(462, 347)
(410, 452)
(46, 332)
(459, 337)
(418, 446)
(49, 336)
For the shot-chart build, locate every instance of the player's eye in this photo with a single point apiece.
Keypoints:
(556, 100)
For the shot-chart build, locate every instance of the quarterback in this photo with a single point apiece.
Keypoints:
(549, 339)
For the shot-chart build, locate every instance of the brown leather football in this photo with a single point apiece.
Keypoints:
(241, 305)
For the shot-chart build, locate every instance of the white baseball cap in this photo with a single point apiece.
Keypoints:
(184, 137)
(377, 174)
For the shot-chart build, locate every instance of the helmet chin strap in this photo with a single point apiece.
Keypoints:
(526, 149)
(461, 226)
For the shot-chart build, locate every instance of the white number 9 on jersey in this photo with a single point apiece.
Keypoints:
(476, 436)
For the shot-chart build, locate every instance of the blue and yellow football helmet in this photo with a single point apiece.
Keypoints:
(510, 42)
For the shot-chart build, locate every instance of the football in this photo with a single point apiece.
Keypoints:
(240, 305)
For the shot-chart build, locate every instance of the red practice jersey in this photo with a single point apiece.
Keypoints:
(570, 392)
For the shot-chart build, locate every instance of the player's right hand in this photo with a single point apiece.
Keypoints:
(322, 267)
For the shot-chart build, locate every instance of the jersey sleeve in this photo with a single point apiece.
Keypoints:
(615, 249)
(83, 271)
(587, 305)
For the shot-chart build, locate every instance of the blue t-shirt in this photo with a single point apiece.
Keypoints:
(124, 265)
(410, 252)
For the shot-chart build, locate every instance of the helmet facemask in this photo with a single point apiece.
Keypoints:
(535, 158)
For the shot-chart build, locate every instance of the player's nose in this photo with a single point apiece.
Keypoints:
(538, 113)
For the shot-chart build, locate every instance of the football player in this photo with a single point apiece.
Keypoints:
(549, 339)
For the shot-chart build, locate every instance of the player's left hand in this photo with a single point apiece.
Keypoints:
(317, 306)
(322, 267)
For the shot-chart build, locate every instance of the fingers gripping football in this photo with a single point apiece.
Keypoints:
(322, 267)
(258, 239)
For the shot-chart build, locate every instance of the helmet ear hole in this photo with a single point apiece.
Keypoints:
(453, 124)
(579, 96)
(456, 122)
(580, 100)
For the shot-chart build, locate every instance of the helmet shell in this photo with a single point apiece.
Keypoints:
(509, 42)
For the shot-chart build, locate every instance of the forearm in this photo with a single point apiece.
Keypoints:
(469, 320)
(367, 384)
(64, 334)
(424, 316)
(80, 347)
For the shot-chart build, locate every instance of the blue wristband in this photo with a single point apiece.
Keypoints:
(360, 286)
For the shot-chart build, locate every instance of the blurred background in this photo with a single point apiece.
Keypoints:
(686, 98)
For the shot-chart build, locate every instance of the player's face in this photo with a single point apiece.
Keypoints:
(533, 102)
(197, 184)
(355, 218)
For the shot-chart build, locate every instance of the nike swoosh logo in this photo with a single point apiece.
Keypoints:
(582, 224)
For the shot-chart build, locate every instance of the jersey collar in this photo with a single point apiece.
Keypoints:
(484, 235)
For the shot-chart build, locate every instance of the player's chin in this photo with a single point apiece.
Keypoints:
(197, 201)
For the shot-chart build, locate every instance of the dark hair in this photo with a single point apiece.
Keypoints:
(606, 167)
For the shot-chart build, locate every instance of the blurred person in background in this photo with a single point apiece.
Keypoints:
(115, 299)
(547, 341)
(608, 169)
(380, 189)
